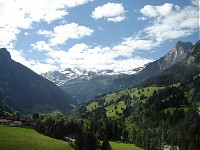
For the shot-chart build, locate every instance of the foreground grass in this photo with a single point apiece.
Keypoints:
(13, 138)
(123, 146)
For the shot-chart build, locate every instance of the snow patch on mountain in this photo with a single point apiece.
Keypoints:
(63, 76)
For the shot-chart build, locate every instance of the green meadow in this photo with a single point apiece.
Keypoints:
(123, 146)
(15, 138)
(113, 110)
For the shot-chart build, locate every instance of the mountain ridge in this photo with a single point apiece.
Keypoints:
(176, 54)
(182, 70)
(23, 90)
(66, 75)
(83, 89)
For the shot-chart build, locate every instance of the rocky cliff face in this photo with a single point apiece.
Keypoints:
(184, 70)
(178, 53)
(194, 55)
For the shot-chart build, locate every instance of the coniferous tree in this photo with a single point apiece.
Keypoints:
(106, 145)
(79, 142)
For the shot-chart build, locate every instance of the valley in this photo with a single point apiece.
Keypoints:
(99, 75)
(147, 115)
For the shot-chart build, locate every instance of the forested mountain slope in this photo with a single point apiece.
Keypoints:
(25, 91)
(152, 117)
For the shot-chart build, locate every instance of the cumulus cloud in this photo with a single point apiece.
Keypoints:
(21, 14)
(118, 57)
(111, 11)
(129, 64)
(38, 67)
(131, 44)
(43, 67)
(44, 33)
(195, 2)
(7, 35)
(69, 31)
(171, 23)
(60, 35)
(41, 46)
(73, 3)
(155, 11)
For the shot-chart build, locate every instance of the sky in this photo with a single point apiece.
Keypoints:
(121, 35)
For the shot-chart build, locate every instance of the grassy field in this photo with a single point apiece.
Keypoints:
(123, 146)
(14, 138)
(92, 106)
(171, 110)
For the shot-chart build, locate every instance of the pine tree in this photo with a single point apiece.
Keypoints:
(106, 145)
(79, 140)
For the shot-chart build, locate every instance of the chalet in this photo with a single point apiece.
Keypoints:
(5, 122)
(69, 139)
(16, 123)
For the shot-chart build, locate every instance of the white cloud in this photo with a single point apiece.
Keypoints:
(132, 44)
(129, 64)
(172, 24)
(60, 35)
(155, 11)
(142, 18)
(41, 46)
(38, 67)
(21, 14)
(116, 19)
(195, 2)
(88, 57)
(111, 11)
(26, 33)
(43, 67)
(7, 36)
(44, 32)
(69, 31)
(73, 3)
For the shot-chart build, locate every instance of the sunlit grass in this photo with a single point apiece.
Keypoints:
(123, 146)
(14, 138)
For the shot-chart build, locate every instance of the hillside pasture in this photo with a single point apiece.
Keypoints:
(14, 138)
(114, 108)
(123, 146)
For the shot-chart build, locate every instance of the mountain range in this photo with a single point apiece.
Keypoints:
(64, 76)
(84, 85)
(23, 90)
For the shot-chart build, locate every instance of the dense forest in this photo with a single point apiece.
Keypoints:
(168, 117)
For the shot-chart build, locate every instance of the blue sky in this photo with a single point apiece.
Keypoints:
(121, 35)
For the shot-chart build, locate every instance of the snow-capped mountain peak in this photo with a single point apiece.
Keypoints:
(61, 77)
